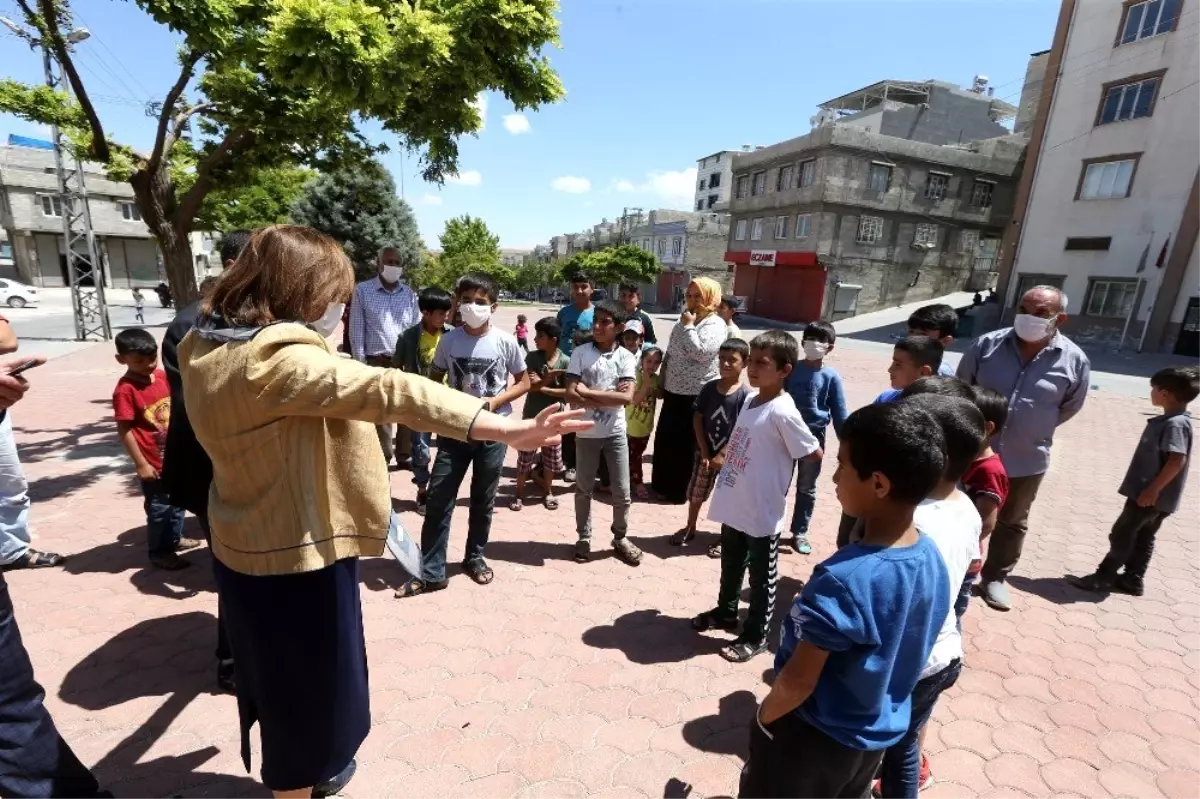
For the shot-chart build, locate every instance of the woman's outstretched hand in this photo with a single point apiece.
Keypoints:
(529, 434)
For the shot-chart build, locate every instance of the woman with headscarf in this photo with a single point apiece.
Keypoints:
(300, 491)
(690, 363)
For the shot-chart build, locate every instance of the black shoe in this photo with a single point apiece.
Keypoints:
(583, 550)
(225, 677)
(1097, 583)
(422, 500)
(337, 784)
(1129, 584)
(168, 561)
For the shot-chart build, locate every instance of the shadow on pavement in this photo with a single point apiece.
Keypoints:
(95, 442)
(726, 733)
(169, 656)
(648, 637)
(128, 553)
(1054, 589)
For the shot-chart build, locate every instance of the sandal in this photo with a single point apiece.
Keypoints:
(714, 551)
(417, 586)
(516, 504)
(742, 650)
(681, 537)
(641, 492)
(551, 503)
(479, 571)
(34, 559)
(714, 620)
(583, 550)
(627, 552)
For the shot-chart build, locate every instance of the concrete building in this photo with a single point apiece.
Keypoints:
(846, 219)
(1112, 174)
(31, 214)
(689, 245)
(1031, 92)
(714, 174)
(514, 256)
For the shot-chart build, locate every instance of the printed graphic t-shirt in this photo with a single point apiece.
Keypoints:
(145, 404)
(639, 419)
(480, 365)
(426, 347)
(603, 371)
(753, 483)
(720, 413)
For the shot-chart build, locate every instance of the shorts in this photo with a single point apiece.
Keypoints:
(700, 487)
(549, 457)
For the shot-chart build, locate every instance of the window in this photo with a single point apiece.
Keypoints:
(739, 232)
(968, 241)
(130, 212)
(699, 205)
(1129, 100)
(760, 184)
(803, 226)
(713, 199)
(879, 177)
(714, 180)
(662, 247)
(742, 188)
(925, 236)
(784, 181)
(781, 227)
(1143, 20)
(870, 229)
(1106, 180)
(1093, 243)
(936, 185)
(808, 172)
(981, 194)
(1111, 298)
(51, 205)
(701, 187)
(677, 245)
(756, 230)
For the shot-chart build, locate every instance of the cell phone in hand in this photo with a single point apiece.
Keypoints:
(23, 367)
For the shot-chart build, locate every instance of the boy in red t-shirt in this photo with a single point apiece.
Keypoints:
(142, 408)
(985, 482)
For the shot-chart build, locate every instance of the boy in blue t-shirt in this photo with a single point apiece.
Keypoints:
(861, 631)
(819, 396)
(914, 357)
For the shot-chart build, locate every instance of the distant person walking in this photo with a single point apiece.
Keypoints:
(139, 306)
(1045, 378)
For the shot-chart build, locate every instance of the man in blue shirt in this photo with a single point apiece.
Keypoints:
(1045, 377)
(576, 321)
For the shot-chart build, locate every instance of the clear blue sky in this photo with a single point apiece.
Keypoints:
(652, 85)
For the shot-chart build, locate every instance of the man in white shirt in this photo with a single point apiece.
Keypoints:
(383, 308)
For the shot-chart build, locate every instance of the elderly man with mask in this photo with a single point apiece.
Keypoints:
(1045, 377)
(383, 308)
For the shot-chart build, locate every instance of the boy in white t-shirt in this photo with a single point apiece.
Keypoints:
(949, 517)
(601, 378)
(770, 435)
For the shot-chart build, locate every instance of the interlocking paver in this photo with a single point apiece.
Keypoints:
(566, 679)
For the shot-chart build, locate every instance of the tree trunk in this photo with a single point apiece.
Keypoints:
(155, 195)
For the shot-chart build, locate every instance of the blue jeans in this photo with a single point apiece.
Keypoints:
(420, 458)
(807, 473)
(14, 498)
(164, 521)
(901, 770)
(485, 459)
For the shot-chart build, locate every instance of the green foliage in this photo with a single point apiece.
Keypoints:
(466, 236)
(266, 201)
(534, 275)
(358, 206)
(613, 265)
(41, 104)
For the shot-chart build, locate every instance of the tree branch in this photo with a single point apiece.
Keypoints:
(180, 121)
(100, 149)
(161, 144)
(235, 143)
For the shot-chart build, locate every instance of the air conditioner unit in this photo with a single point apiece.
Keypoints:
(923, 245)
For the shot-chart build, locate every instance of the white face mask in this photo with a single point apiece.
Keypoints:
(1032, 328)
(814, 350)
(329, 322)
(475, 316)
(392, 274)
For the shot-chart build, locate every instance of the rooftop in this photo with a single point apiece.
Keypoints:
(910, 93)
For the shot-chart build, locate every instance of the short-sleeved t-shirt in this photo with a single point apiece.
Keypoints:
(572, 319)
(537, 363)
(891, 395)
(639, 419)
(986, 477)
(753, 483)
(426, 347)
(720, 413)
(877, 612)
(604, 371)
(145, 404)
(480, 365)
(954, 525)
(1164, 435)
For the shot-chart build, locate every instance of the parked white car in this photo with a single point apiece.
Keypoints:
(17, 295)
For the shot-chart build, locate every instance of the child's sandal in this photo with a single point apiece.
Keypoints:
(714, 620)
(742, 650)
(682, 536)
(516, 504)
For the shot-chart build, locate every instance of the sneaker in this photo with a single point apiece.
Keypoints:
(225, 677)
(422, 501)
(627, 552)
(187, 544)
(1130, 584)
(995, 594)
(569, 476)
(583, 550)
(169, 561)
(801, 545)
(1096, 582)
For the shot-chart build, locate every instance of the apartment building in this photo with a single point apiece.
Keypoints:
(514, 256)
(713, 178)
(848, 219)
(689, 245)
(31, 214)
(1112, 174)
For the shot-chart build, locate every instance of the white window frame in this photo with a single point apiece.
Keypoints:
(968, 241)
(52, 205)
(1101, 293)
(130, 212)
(756, 229)
(1102, 180)
(781, 227)
(937, 184)
(677, 246)
(739, 230)
(870, 230)
(808, 173)
(660, 247)
(784, 181)
(742, 187)
(1160, 25)
(872, 171)
(981, 198)
(925, 233)
(1133, 92)
(803, 226)
(758, 184)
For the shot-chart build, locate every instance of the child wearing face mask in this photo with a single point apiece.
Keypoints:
(821, 399)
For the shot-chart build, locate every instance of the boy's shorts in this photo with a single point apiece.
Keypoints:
(550, 457)
(700, 487)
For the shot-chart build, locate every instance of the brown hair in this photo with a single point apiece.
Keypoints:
(286, 273)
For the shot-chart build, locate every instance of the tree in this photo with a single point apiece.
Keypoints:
(266, 200)
(613, 265)
(274, 82)
(534, 275)
(468, 246)
(357, 205)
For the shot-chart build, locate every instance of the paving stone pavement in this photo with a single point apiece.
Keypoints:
(562, 679)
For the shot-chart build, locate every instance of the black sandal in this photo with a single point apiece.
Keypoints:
(742, 650)
(416, 586)
(34, 559)
(714, 620)
(681, 537)
(714, 551)
(479, 571)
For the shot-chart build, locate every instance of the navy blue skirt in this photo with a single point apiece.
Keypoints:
(301, 669)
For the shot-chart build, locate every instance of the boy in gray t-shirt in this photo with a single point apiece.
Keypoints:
(1152, 486)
